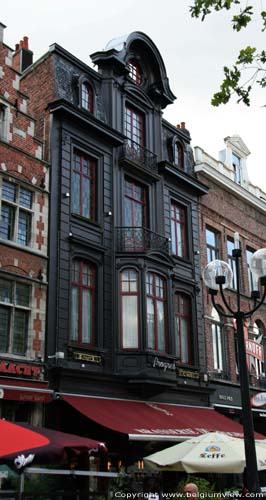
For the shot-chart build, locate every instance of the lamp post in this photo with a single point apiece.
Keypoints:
(218, 275)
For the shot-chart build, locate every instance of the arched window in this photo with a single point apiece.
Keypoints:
(178, 155)
(257, 361)
(129, 316)
(218, 342)
(86, 97)
(156, 312)
(135, 72)
(82, 329)
(182, 315)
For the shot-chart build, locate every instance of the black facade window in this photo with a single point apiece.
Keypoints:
(87, 97)
(212, 244)
(84, 185)
(16, 213)
(135, 215)
(83, 303)
(179, 230)
(135, 71)
(156, 313)
(218, 342)
(129, 312)
(134, 127)
(178, 155)
(14, 316)
(182, 316)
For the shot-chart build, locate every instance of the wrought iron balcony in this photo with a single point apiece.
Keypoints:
(140, 239)
(138, 154)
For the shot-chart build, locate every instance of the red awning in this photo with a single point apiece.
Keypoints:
(25, 390)
(153, 421)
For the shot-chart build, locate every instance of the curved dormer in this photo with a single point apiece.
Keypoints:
(137, 60)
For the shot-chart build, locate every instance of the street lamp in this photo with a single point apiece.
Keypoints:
(218, 275)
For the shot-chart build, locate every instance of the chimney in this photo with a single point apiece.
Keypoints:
(178, 126)
(2, 27)
(183, 125)
(22, 57)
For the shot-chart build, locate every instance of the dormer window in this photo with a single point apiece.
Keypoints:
(86, 97)
(178, 155)
(135, 72)
(236, 162)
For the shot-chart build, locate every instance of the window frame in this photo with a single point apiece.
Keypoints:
(232, 263)
(178, 155)
(155, 299)
(178, 317)
(135, 71)
(92, 177)
(129, 293)
(213, 250)
(134, 140)
(86, 101)
(251, 278)
(218, 347)
(236, 164)
(182, 224)
(12, 307)
(16, 209)
(80, 286)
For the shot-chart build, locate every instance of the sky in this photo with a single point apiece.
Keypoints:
(194, 54)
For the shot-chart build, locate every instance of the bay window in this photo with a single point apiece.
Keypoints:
(156, 313)
(82, 329)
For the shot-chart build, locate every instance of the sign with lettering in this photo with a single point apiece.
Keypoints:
(258, 400)
(84, 356)
(183, 372)
(225, 397)
(20, 369)
(165, 365)
(254, 349)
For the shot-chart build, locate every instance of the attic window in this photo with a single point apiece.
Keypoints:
(236, 162)
(178, 155)
(135, 71)
(86, 97)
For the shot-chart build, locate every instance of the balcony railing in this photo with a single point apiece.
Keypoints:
(140, 239)
(138, 154)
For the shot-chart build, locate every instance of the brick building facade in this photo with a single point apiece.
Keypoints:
(233, 205)
(24, 183)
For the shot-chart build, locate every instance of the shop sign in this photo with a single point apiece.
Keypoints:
(20, 369)
(183, 372)
(259, 399)
(165, 365)
(84, 356)
(254, 349)
(225, 397)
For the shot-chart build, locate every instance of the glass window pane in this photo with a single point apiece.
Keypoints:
(24, 227)
(184, 341)
(7, 222)
(86, 317)
(150, 323)
(22, 295)
(130, 321)
(20, 332)
(4, 328)
(161, 326)
(76, 193)
(25, 198)
(5, 291)
(74, 314)
(8, 191)
(86, 194)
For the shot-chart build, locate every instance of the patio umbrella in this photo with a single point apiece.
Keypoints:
(212, 452)
(20, 445)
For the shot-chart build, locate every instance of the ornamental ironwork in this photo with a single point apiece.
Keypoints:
(138, 154)
(140, 239)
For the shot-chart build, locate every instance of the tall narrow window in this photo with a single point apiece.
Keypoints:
(83, 185)
(134, 127)
(2, 121)
(182, 314)
(178, 230)
(82, 302)
(178, 155)
(217, 342)
(16, 213)
(135, 72)
(252, 282)
(135, 215)
(14, 316)
(212, 244)
(236, 162)
(129, 290)
(231, 259)
(86, 97)
(258, 362)
(156, 312)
